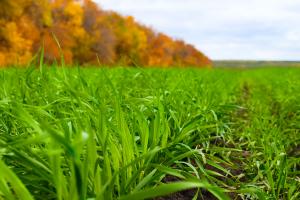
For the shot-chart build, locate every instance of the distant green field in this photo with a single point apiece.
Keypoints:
(149, 133)
(254, 64)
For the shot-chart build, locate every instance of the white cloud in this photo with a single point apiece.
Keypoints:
(223, 29)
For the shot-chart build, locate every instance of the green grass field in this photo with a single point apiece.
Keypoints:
(129, 133)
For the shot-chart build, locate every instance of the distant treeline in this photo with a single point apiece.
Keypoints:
(253, 63)
(83, 33)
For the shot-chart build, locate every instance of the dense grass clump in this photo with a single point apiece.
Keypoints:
(149, 133)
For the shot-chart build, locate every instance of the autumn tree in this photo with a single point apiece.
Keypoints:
(131, 40)
(15, 47)
(21, 24)
(101, 41)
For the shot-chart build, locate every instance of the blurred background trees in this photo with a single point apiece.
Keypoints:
(85, 34)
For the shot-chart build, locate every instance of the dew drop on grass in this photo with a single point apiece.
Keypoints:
(84, 135)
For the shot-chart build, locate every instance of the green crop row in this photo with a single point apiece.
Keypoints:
(130, 133)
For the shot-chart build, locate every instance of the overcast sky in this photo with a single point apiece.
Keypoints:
(223, 29)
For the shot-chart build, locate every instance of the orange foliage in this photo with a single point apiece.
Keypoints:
(84, 33)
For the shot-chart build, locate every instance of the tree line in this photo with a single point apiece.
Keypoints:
(82, 33)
